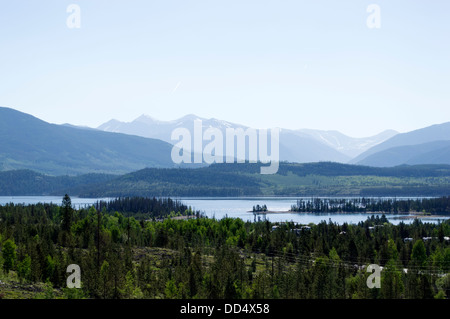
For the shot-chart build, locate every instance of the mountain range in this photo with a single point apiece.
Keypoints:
(30, 143)
(429, 145)
(119, 147)
(301, 146)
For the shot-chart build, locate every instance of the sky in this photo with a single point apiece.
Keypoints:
(281, 63)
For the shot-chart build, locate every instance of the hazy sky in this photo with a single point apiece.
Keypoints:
(293, 64)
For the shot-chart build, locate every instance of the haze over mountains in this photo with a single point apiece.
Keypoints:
(429, 145)
(350, 146)
(30, 143)
(426, 153)
(118, 147)
(303, 145)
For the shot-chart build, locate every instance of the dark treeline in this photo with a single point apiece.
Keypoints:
(332, 205)
(337, 169)
(27, 182)
(176, 182)
(122, 257)
(143, 206)
(240, 179)
(293, 179)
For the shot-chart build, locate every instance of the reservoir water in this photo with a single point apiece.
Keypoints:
(237, 208)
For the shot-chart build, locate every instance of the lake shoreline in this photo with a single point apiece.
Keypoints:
(410, 215)
(279, 209)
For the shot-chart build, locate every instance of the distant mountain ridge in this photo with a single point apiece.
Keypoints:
(29, 143)
(437, 152)
(349, 145)
(117, 147)
(389, 148)
(429, 145)
(300, 146)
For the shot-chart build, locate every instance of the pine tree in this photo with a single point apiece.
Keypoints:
(67, 213)
(9, 255)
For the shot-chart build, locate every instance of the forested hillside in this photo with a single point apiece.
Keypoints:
(26, 182)
(30, 143)
(126, 257)
(311, 179)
